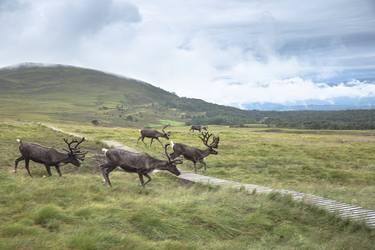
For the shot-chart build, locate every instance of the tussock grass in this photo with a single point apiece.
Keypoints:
(165, 215)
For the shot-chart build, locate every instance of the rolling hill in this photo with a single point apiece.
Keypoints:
(67, 93)
(70, 93)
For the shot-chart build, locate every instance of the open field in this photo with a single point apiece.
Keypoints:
(333, 164)
(78, 212)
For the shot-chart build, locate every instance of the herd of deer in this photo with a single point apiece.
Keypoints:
(141, 163)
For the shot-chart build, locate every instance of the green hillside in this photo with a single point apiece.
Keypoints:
(77, 94)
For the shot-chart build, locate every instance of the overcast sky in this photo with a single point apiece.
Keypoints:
(229, 52)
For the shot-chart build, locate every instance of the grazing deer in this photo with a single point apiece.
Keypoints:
(195, 154)
(154, 134)
(198, 128)
(139, 163)
(50, 156)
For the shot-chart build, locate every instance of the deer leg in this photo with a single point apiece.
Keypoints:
(106, 175)
(16, 163)
(139, 139)
(195, 167)
(58, 170)
(159, 141)
(152, 139)
(141, 179)
(27, 166)
(204, 164)
(148, 177)
(143, 140)
(48, 168)
(106, 169)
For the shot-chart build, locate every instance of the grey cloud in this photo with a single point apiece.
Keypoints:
(10, 5)
(53, 30)
(87, 17)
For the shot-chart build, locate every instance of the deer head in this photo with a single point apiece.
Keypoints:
(75, 155)
(166, 134)
(170, 165)
(205, 137)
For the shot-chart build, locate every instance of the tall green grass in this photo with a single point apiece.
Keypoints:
(335, 164)
(77, 211)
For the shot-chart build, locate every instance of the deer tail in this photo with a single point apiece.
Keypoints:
(172, 144)
(104, 150)
(19, 140)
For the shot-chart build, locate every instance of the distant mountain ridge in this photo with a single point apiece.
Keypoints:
(343, 103)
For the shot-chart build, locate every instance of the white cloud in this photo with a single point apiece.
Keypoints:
(293, 90)
(222, 51)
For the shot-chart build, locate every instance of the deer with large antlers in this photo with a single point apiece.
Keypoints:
(50, 157)
(154, 134)
(195, 154)
(139, 163)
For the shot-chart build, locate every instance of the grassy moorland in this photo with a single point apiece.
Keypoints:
(334, 164)
(78, 212)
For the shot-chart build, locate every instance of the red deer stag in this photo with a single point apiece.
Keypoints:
(139, 163)
(50, 156)
(153, 134)
(195, 154)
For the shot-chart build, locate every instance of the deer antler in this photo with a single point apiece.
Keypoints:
(205, 137)
(174, 161)
(166, 151)
(177, 161)
(215, 142)
(166, 126)
(75, 150)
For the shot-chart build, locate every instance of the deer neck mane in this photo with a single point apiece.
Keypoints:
(155, 163)
(64, 157)
(60, 157)
(204, 152)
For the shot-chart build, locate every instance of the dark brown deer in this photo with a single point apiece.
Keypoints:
(50, 156)
(198, 128)
(195, 154)
(153, 134)
(139, 163)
